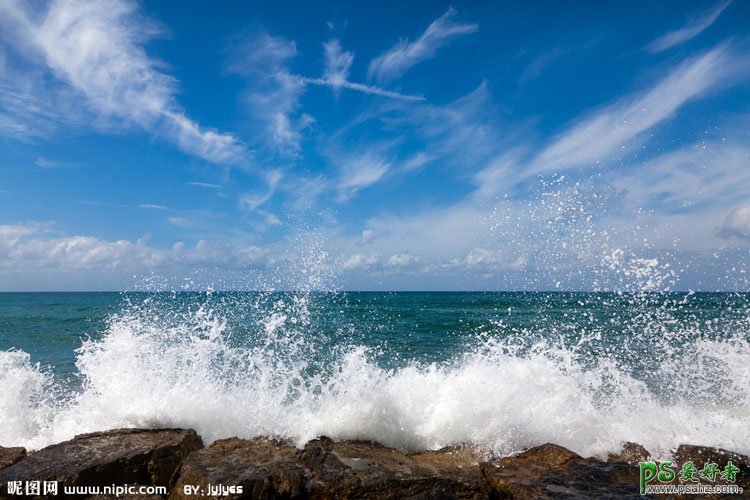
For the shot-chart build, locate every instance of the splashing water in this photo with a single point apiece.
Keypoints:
(263, 364)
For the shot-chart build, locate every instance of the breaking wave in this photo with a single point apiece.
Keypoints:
(660, 379)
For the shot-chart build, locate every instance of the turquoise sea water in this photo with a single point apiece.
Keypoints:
(502, 371)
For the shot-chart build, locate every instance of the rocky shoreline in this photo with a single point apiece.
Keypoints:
(264, 468)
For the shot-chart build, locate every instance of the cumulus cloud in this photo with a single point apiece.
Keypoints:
(26, 249)
(690, 30)
(368, 236)
(737, 224)
(360, 261)
(402, 260)
(97, 49)
(399, 58)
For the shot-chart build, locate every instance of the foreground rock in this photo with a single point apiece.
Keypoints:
(9, 456)
(263, 468)
(700, 455)
(119, 457)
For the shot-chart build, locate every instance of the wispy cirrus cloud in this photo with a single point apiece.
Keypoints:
(402, 56)
(360, 171)
(691, 178)
(180, 221)
(253, 201)
(96, 50)
(336, 75)
(275, 91)
(46, 163)
(689, 31)
(273, 95)
(618, 126)
(206, 185)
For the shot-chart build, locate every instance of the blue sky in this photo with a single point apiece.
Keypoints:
(426, 145)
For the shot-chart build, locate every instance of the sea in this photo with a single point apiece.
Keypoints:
(416, 371)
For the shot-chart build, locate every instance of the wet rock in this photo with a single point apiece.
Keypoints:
(264, 468)
(9, 456)
(356, 469)
(123, 456)
(517, 476)
(631, 453)
(589, 478)
(257, 468)
(551, 471)
(700, 455)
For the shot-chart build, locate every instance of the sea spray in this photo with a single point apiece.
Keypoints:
(261, 364)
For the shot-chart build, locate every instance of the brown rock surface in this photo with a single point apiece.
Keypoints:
(699, 455)
(631, 453)
(264, 468)
(325, 469)
(9, 456)
(123, 456)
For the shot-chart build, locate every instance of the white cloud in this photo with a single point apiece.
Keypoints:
(97, 49)
(360, 87)
(359, 172)
(29, 246)
(465, 131)
(152, 206)
(480, 256)
(397, 60)
(42, 162)
(360, 261)
(689, 31)
(608, 132)
(696, 176)
(204, 185)
(338, 64)
(32, 251)
(416, 162)
(494, 261)
(737, 224)
(180, 221)
(26, 112)
(274, 92)
(254, 201)
(402, 260)
(368, 236)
